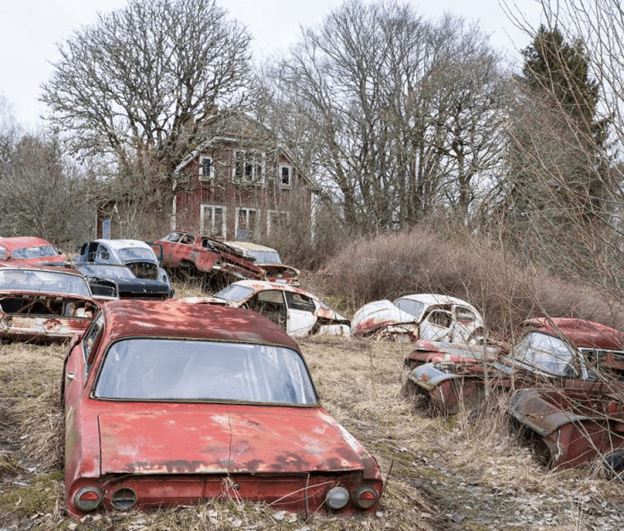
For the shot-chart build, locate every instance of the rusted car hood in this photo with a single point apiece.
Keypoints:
(287, 441)
(377, 315)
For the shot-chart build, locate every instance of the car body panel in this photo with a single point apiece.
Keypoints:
(419, 316)
(269, 260)
(298, 312)
(122, 281)
(43, 304)
(183, 451)
(576, 427)
(29, 250)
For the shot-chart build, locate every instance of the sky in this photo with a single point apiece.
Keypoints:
(30, 31)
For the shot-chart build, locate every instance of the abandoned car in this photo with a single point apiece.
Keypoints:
(138, 256)
(171, 403)
(571, 427)
(44, 304)
(189, 256)
(29, 250)
(565, 352)
(298, 312)
(120, 282)
(420, 316)
(269, 260)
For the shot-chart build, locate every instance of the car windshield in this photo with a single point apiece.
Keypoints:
(410, 306)
(106, 271)
(41, 251)
(265, 257)
(159, 369)
(234, 293)
(136, 253)
(545, 353)
(43, 282)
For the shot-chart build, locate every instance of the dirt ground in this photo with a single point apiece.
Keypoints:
(457, 473)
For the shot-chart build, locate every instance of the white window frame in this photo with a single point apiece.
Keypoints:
(209, 228)
(271, 215)
(202, 175)
(280, 175)
(253, 231)
(257, 163)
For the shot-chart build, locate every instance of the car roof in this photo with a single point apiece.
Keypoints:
(7, 264)
(259, 285)
(122, 244)
(580, 332)
(250, 246)
(434, 298)
(18, 242)
(178, 318)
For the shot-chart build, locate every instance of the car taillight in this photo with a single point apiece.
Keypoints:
(88, 499)
(365, 497)
(123, 499)
(337, 498)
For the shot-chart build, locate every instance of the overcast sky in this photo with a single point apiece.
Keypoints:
(31, 29)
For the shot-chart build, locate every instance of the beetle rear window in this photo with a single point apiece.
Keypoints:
(142, 369)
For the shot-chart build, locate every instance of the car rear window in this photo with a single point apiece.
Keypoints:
(146, 369)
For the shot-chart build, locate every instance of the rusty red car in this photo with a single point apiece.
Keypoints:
(29, 250)
(565, 352)
(171, 403)
(44, 304)
(189, 255)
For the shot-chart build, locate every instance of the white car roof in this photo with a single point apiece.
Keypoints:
(433, 298)
(122, 244)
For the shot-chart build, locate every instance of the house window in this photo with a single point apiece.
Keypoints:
(285, 176)
(213, 220)
(206, 169)
(276, 220)
(249, 167)
(246, 223)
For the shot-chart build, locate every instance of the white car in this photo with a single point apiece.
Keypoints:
(420, 316)
(298, 312)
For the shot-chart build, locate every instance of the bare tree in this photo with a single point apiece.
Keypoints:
(402, 115)
(43, 195)
(137, 88)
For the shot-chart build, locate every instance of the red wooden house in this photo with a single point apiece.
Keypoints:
(240, 185)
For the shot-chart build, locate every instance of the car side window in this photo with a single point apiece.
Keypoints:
(297, 301)
(90, 339)
(464, 315)
(440, 318)
(103, 253)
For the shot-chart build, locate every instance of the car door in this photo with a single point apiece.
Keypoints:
(437, 325)
(465, 324)
(301, 316)
(271, 304)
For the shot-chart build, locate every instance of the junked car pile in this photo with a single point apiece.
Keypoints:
(564, 379)
(172, 401)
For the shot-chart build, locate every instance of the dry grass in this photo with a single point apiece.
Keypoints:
(460, 473)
